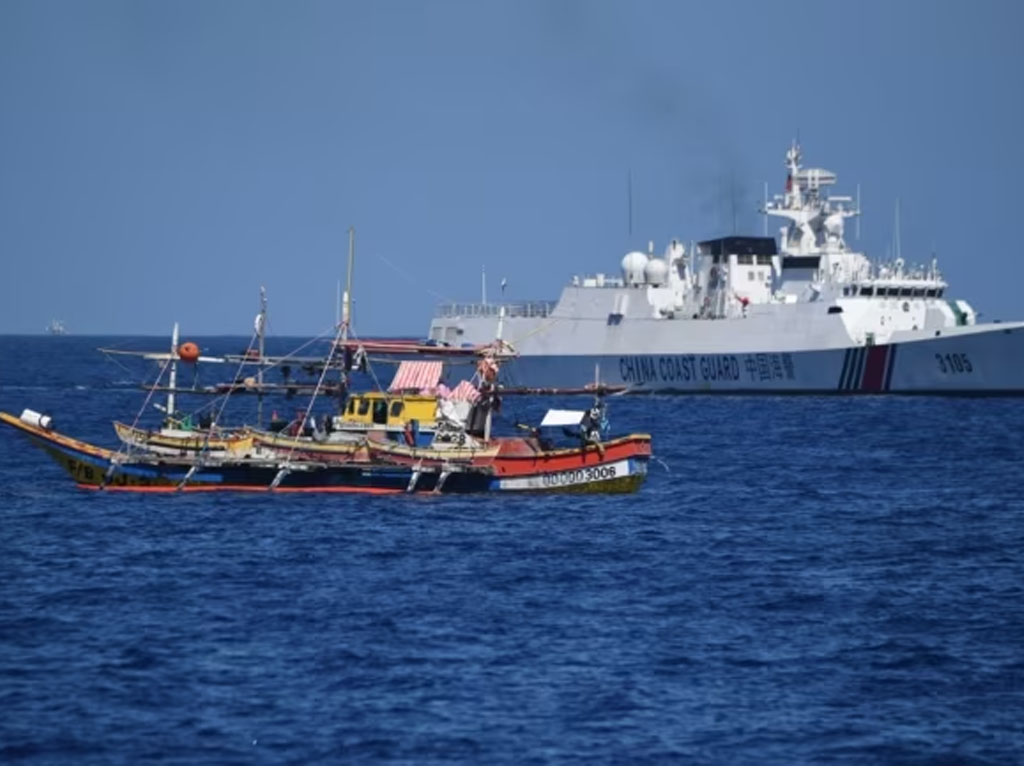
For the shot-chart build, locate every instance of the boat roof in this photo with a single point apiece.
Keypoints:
(417, 375)
(561, 418)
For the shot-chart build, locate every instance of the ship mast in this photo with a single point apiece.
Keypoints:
(346, 312)
(261, 325)
(173, 379)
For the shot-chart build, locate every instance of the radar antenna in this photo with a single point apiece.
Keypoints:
(857, 222)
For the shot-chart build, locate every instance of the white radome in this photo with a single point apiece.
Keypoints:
(656, 272)
(633, 265)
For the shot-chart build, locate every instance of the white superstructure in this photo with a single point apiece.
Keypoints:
(804, 314)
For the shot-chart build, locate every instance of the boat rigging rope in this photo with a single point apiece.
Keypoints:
(216, 417)
(285, 467)
(542, 327)
(142, 409)
(244, 361)
(118, 363)
(124, 444)
(414, 280)
(369, 366)
(224, 401)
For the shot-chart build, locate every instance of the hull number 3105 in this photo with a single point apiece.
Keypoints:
(954, 362)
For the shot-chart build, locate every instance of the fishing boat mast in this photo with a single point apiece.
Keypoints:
(172, 381)
(346, 316)
(261, 325)
(346, 310)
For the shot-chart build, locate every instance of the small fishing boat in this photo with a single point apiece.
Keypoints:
(186, 439)
(534, 461)
(586, 470)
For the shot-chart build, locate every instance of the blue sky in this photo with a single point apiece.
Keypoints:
(159, 161)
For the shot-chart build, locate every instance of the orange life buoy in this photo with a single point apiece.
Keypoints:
(189, 351)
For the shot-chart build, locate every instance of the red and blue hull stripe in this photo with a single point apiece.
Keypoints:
(868, 369)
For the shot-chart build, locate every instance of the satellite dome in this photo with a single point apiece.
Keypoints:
(656, 272)
(633, 264)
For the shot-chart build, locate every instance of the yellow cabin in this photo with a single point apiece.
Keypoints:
(386, 410)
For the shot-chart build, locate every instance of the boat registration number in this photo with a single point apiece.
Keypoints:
(568, 477)
(582, 475)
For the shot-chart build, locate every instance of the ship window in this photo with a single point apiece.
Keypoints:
(940, 292)
(380, 412)
(919, 291)
(904, 291)
(894, 291)
(716, 259)
(351, 407)
(364, 407)
(745, 258)
(750, 276)
(846, 291)
(930, 293)
(867, 290)
(396, 408)
(764, 260)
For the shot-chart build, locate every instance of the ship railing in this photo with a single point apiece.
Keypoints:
(513, 309)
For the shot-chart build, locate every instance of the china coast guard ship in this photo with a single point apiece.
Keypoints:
(745, 314)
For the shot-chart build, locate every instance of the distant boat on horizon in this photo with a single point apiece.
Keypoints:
(56, 328)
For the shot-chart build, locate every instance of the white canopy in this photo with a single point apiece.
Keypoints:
(559, 418)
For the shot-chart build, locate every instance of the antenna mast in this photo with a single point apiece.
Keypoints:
(732, 198)
(764, 211)
(857, 222)
(629, 198)
(896, 232)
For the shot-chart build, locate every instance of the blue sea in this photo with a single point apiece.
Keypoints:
(801, 580)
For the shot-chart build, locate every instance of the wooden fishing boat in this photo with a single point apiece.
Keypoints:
(331, 447)
(406, 413)
(95, 468)
(175, 441)
(535, 461)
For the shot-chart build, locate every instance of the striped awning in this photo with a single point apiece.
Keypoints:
(464, 391)
(416, 375)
